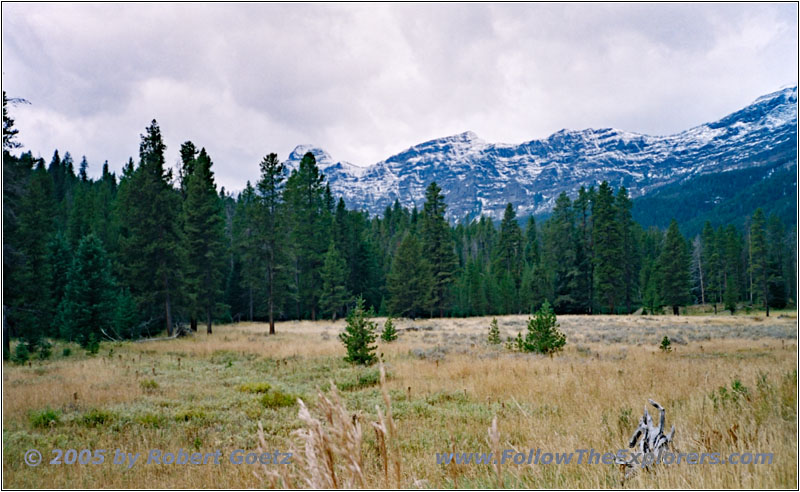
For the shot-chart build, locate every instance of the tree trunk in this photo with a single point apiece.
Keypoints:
(251, 303)
(193, 323)
(676, 310)
(208, 321)
(6, 336)
(168, 313)
(271, 303)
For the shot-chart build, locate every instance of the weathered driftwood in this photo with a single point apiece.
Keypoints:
(651, 440)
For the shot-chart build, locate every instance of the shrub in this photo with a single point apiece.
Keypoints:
(254, 387)
(92, 344)
(95, 417)
(364, 380)
(666, 344)
(150, 420)
(277, 399)
(494, 332)
(389, 333)
(148, 385)
(21, 353)
(358, 336)
(45, 350)
(45, 418)
(543, 336)
(66, 352)
(192, 414)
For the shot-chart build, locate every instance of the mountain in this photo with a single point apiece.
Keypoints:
(478, 177)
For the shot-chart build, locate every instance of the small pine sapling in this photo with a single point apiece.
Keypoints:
(389, 333)
(358, 336)
(543, 335)
(666, 345)
(494, 332)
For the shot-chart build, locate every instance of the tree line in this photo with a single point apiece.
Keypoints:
(152, 251)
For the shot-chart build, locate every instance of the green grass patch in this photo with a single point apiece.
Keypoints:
(366, 379)
(45, 418)
(255, 387)
(191, 415)
(148, 385)
(97, 418)
(278, 399)
(151, 420)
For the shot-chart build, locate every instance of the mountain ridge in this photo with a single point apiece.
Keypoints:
(479, 177)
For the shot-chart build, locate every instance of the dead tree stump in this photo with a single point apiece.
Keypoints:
(651, 440)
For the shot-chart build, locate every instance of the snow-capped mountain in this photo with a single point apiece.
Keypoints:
(478, 177)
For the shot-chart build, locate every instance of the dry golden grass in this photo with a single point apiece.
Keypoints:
(445, 386)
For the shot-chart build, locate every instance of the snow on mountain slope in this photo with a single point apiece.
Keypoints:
(480, 178)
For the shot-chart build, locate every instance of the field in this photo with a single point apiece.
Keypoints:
(729, 385)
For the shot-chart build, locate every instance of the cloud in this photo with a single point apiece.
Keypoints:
(365, 81)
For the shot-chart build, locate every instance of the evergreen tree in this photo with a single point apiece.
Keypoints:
(59, 262)
(560, 244)
(543, 336)
(309, 222)
(584, 250)
(150, 235)
(334, 275)
(270, 189)
(36, 225)
(204, 241)
(358, 336)
(494, 333)
(630, 263)
(389, 333)
(609, 261)
(508, 252)
(126, 317)
(87, 310)
(410, 282)
(247, 243)
(674, 269)
(437, 246)
(759, 253)
(731, 255)
(776, 253)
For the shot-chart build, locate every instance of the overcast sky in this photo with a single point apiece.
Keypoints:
(365, 81)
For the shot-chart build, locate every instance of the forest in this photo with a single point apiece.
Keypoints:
(153, 251)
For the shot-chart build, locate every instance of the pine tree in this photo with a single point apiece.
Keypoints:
(150, 235)
(389, 333)
(584, 250)
(409, 283)
(89, 301)
(59, 262)
(674, 269)
(204, 241)
(560, 246)
(494, 333)
(358, 336)
(609, 260)
(309, 222)
(36, 225)
(334, 275)
(247, 243)
(126, 317)
(508, 252)
(759, 253)
(543, 336)
(437, 246)
(630, 263)
(776, 253)
(731, 254)
(271, 216)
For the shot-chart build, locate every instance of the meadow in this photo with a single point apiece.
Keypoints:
(728, 385)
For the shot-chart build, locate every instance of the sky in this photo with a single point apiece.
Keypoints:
(366, 81)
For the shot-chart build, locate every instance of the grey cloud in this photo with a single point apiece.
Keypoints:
(366, 80)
